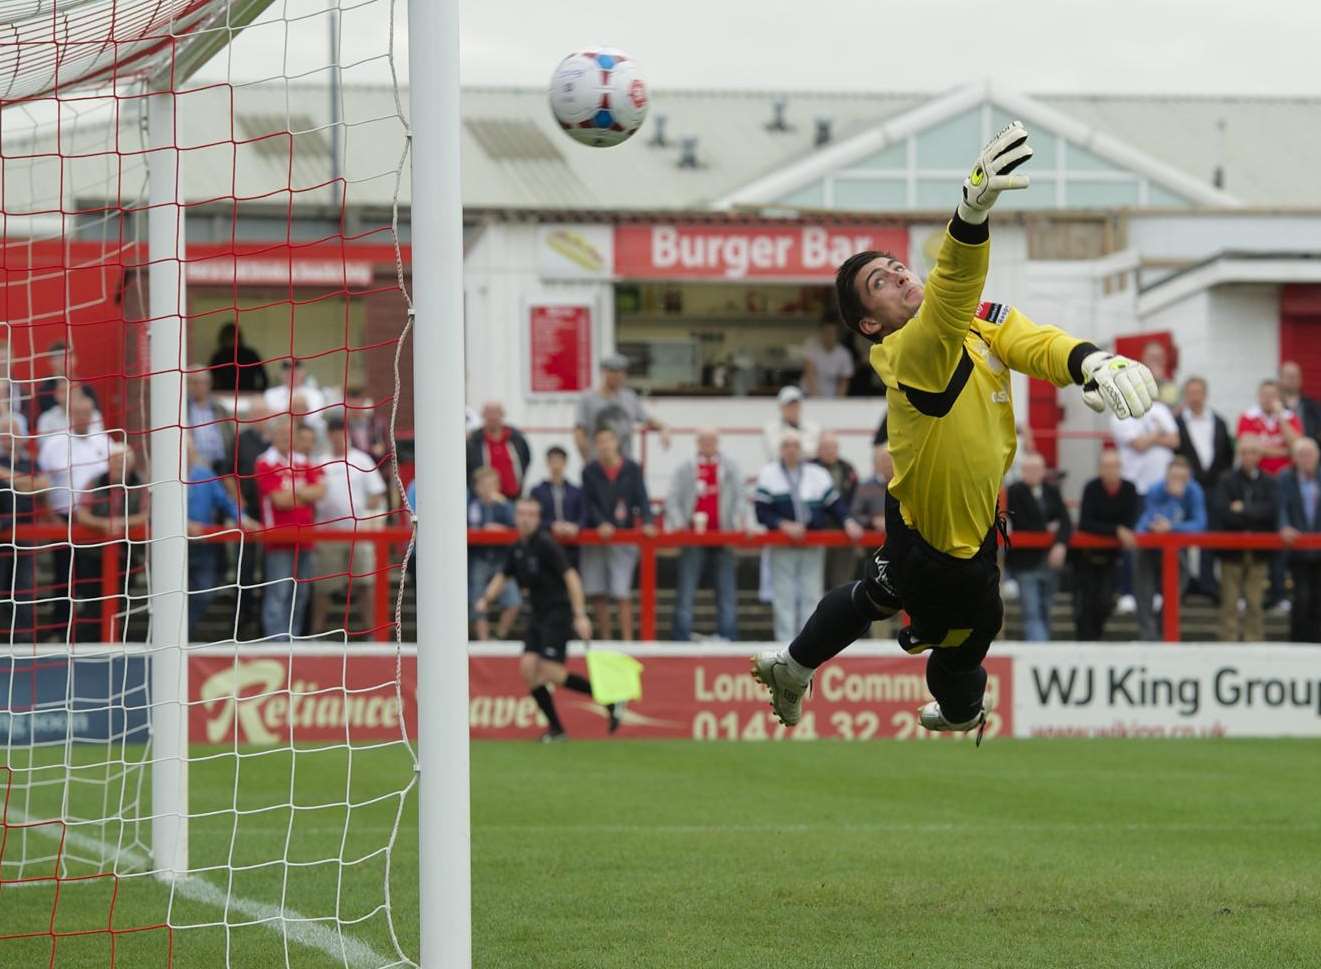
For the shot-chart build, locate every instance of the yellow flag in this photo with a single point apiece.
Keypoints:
(615, 677)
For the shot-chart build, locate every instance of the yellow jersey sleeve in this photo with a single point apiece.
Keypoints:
(1035, 349)
(931, 344)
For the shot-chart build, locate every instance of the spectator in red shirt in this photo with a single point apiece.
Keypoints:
(499, 446)
(290, 485)
(1272, 422)
(707, 494)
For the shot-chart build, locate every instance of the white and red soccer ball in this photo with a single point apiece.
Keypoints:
(598, 96)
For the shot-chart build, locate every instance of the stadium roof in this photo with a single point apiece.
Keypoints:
(1265, 146)
(514, 156)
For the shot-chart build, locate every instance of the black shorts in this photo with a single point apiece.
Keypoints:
(949, 600)
(548, 636)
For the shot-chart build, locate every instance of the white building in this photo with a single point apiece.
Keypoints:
(705, 247)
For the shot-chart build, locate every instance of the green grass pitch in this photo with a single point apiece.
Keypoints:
(675, 855)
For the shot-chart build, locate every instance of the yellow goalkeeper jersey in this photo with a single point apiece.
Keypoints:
(951, 413)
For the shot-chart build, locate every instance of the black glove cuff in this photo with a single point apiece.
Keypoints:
(970, 234)
(1076, 356)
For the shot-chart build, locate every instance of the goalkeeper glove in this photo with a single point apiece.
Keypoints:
(1124, 387)
(990, 173)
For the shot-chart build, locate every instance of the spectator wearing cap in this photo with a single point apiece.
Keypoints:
(500, 446)
(827, 365)
(1205, 442)
(1300, 512)
(790, 401)
(616, 406)
(795, 497)
(235, 366)
(1307, 408)
(614, 497)
(707, 493)
(561, 500)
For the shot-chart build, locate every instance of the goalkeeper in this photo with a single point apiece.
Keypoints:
(945, 357)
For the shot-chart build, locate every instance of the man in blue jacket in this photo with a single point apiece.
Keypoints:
(795, 497)
(1177, 504)
(561, 501)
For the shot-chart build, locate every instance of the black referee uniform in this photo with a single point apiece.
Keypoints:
(538, 564)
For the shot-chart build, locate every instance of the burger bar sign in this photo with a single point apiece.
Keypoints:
(713, 251)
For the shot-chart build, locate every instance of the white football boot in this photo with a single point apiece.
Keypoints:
(930, 717)
(771, 670)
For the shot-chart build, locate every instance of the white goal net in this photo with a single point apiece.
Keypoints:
(206, 706)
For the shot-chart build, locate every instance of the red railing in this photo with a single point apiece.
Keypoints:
(1169, 545)
(387, 539)
(45, 536)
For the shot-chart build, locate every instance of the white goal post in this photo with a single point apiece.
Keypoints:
(123, 121)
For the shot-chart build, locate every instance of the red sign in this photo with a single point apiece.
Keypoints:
(264, 699)
(560, 348)
(714, 698)
(747, 251)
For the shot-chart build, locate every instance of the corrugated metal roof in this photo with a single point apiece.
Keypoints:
(514, 156)
(1270, 145)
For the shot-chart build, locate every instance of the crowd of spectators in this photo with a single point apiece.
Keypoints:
(805, 485)
(1184, 467)
(260, 454)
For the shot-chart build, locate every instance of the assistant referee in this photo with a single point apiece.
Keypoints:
(558, 610)
(946, 357)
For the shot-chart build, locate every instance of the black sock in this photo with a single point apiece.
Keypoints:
(543, 698)
(836, 622)
(579, 683)
(957, 686)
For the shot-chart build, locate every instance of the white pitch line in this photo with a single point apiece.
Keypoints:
(282, 921)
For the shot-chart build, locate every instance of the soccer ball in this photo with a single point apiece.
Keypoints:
(598, 97)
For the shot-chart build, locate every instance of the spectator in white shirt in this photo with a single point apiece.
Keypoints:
(296, 394)
(71, 460)
(56, 418)
(1146, 446)
(355, 500)
(1205, 442)
(827, 365)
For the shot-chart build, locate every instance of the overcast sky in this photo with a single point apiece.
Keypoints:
(1036, 46)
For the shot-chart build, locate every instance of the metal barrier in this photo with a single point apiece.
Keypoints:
(385, 540)
(1169, 544)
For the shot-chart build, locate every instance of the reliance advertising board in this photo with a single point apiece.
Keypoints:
(258, 697)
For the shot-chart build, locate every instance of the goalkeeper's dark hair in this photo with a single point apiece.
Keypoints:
(849, 303)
